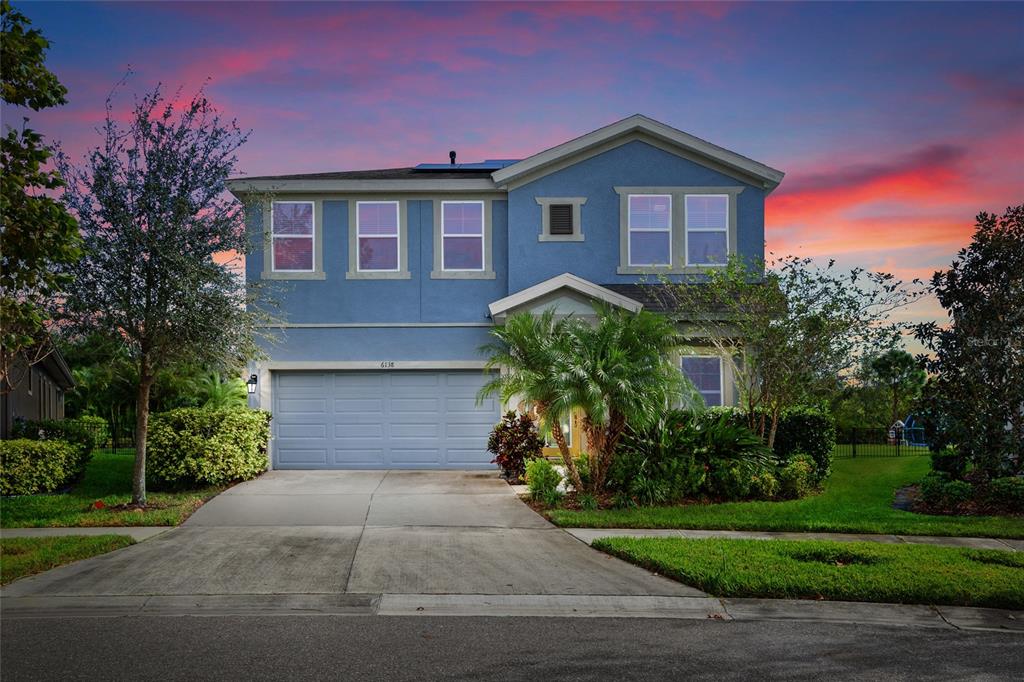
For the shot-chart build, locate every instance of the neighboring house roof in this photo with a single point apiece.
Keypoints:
(57, 367)
(554, 158)
(483, 177)
(569, 281)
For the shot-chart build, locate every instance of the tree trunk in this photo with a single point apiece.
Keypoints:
(895, 405)
(563, 449)
(141, 427)
(775, 427)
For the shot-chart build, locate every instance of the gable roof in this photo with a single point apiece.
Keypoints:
(566, 280)
(549, 160)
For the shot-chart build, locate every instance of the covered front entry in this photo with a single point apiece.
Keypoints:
(399, 419)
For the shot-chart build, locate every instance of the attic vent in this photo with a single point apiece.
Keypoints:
(560, 218)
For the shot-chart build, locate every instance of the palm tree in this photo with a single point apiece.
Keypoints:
(620, 374)
(616, 371)
(530, 354)
(218, 393)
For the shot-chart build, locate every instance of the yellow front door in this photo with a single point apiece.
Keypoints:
(573, 438)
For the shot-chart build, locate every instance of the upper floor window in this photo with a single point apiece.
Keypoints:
(462, 235)
(650, 229)
(293, 236)
(705, 371)
(707, 229)
(377, 235)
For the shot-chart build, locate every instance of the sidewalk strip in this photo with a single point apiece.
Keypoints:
(555, 606)
(138, 533)
(588, 535)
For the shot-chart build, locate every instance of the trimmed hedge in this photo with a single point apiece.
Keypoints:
(70, 431)
(31, 466)
(197, 447)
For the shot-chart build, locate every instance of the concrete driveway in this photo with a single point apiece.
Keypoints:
(358, 532)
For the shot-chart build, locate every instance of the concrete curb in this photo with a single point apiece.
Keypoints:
(524, 605)
(138, 533)
(588, 535)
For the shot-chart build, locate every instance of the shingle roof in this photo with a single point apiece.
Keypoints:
(378, 174)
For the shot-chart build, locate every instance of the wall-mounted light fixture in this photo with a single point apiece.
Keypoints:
(250, 385)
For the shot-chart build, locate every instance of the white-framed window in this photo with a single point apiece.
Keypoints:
(707, 229)
(377, 236)
(293, 236)
(705, 371)
(649, 222)
(462, 236)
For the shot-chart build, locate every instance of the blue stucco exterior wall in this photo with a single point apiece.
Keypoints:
(336, 299)
(304, 344)
(634, 164)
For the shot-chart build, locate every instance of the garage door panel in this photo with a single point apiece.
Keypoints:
(358, 457)
(292, 455)
(302, 406)
(307, 431)
(347, 431)
(424, 430)
(415, 456)
(392, 419)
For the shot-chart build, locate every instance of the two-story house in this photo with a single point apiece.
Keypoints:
(393, 278)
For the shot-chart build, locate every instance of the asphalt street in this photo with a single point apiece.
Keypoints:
(421, 648)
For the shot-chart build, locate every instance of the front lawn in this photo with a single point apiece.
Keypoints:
(20, 557)
(857, 499)
(107, 478)
(860, 571)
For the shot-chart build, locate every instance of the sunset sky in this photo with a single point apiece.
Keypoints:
(895, 123)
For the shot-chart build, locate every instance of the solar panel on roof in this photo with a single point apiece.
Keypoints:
(489, 165)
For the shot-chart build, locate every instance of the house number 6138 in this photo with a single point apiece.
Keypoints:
(387, 364)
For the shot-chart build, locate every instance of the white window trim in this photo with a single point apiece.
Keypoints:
(630, 230)
(311, 236)
(397, 237)
(721, 373)
(480, 237)
(687, 229)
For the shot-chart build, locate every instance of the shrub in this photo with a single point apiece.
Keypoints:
(97, 428)
(1006, 493)
(797, 478)
(70, 431)
(587, 501)
(35, 466)
(764, 486)
(513, 441)
(728, 481)
(732, 455)
(950, 462)
(658, 465)
(808, 431)
(941, 492)
(193, 446)
(542, 479)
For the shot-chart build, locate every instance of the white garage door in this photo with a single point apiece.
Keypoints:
(381, 420)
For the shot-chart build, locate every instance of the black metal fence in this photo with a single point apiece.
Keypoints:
(118, 439)
(880, 442)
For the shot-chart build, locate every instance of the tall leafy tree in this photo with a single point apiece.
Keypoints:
(900, 376)
(975, 398)
(157, 222)
(790, 329)
(38, 238)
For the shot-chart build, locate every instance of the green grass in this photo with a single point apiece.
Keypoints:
(108, 478)
(854, 571)
(20, 557)
(857, 499)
